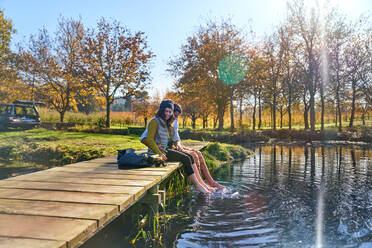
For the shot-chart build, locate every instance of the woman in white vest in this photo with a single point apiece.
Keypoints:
(158, 137)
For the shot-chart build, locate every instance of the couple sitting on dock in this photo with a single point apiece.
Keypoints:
(161, 137)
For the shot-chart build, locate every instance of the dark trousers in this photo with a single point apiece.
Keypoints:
(177, 156)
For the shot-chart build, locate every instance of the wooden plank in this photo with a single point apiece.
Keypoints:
(71, 231)
(100, 213)
(8, 242)
(47, 178)
(63, 206)
(120, 200)
(109, 171)
(131, 190)
(113, 165)
(98, 175)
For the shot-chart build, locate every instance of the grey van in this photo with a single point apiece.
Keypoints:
(19, 114)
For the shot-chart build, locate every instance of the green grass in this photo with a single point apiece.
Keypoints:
(216, 154)
(43, 148)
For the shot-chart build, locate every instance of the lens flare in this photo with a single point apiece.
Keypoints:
(232, 69)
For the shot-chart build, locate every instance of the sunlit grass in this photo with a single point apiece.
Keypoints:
(41, 148)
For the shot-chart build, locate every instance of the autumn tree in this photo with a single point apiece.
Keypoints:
(256, 78)
(305, 25)
(144, 107)
(339, 36)
(51, 61)
(273, 53)
(197, 64)
(357, 56)
(114, 61)
(10, 87)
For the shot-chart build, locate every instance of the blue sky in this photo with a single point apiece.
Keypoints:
(166, 23)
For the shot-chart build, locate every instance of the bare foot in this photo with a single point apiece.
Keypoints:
(210, 187)
(214, 184)
(201, 189)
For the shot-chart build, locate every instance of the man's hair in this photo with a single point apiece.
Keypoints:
(177, 108)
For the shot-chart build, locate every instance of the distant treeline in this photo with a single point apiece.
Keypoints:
(316, 62)
(75, 68)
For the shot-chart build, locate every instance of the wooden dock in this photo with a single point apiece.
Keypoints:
(64, 206)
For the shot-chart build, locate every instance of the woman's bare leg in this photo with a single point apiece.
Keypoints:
(200, 180)
(197, 163)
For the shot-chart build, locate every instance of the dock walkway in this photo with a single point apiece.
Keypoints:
(62, 207)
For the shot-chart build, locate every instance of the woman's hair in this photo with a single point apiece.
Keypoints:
(163, 105)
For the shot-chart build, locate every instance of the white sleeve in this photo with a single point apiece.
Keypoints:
(176, 136)
(144, 135)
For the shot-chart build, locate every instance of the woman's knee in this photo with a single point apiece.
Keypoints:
(187, 163)
(186, 160)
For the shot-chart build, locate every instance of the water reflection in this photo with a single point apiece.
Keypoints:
(288, 196)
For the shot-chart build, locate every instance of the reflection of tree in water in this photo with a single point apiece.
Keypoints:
(347, 198)
(349, 201)
(279, 190)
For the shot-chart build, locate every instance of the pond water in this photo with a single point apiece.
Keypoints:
(282, 196)
(285, 197)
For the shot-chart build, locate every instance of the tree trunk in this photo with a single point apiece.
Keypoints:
(193, 122)
(306, 112)
(306, 117)
(62, 116)
(241, 113)
(254, 112)
(312, 108)
(353, 104)
(322, 107)
(145, 121)
(274, 112)
(289, 108)
(259, 110)
(281, 117)
(108, 114)
(339, 111)
(183, 122)
(220, 113)
(364, 119)
(205, 121)
(232, 127)
(215, 122)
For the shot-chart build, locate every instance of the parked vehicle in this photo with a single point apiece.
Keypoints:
(19, 114)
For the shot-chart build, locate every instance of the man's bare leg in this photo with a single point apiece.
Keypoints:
(197, 184)
(199, 174)
(204, 168)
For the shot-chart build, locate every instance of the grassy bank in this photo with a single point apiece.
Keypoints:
(265, 136)
(43, 148)
(25, 150)
(216, 154)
